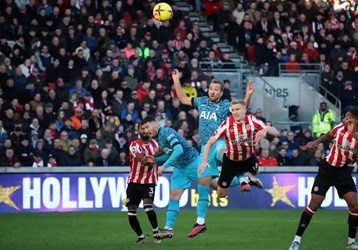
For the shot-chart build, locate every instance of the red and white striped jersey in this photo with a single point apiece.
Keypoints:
(239, 137)
(345, 147)
(140, 173)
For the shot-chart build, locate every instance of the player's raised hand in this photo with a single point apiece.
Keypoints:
(175, 75)
(312, 145)
(260, 135)
(250, 88)
(202, 167)
(160, 170)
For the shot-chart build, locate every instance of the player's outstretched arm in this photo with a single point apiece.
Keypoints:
(204, 164)
(262, 133)
(160, 156)
(249, 91)
(272, 131)
(183, 98)
(176, 154)
(324, 138)
(158, 153)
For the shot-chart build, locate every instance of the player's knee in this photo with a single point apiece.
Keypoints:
(148, 207)
(175, 194)
(132, 208)
(351, 199)
(315, 202)
(205, 181)
(353, 206)
(353, 209)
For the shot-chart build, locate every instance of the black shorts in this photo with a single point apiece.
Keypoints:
(138, 192)
(328, 176)
(230, 169)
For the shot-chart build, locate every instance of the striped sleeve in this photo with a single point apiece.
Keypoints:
(333, 132)
(258, 124)
(221, 130)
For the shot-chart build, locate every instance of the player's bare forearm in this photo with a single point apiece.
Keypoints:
(183, 98)
(272, 131)
(208, 147)
(324, 138)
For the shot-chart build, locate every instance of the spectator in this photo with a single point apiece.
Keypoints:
(266, 160)
(24, 153)
(130, 110)
(64, 142)
(9, 159)
(38, 161)
(226, 94)
(292, 65)
(52, 162)
(316, 161)
(91, 153)
(123, 159)
(258, 115)
(292, 141)
(118, 104)
(282, 158)
(348, 96)
(79, 90)
(72, 158)
(126, 91)
(227, 62)
(76, 118)
(131, 80)
(299, 160)
(323, 120)
(103, 102)
(104, 160)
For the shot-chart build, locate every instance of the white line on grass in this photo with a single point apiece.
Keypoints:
(284, 220)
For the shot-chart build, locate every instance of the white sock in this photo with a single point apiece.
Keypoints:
(155, 229)
(243, 179)
(168, 228)
(141, 236)
(297, 238)
(200, 221)
(351, 240)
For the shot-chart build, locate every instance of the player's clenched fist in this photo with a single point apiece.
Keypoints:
(312, 145)
(175, 75)
(149, 160)
(250, 88)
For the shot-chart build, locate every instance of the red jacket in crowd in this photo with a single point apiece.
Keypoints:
(212, 7)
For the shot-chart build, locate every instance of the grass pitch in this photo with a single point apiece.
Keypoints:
(227, 229)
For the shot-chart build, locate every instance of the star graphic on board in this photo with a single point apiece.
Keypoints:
(5, 193)
(279, 193)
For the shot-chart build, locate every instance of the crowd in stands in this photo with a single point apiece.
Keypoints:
(76, 77)
(298, 33)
